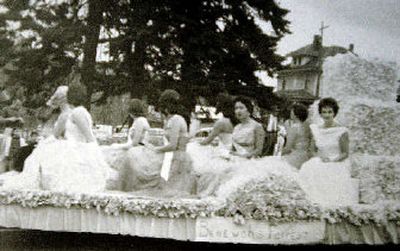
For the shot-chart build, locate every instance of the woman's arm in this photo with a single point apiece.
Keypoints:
(175, 124)
(344, 143)
(260, 139)
(312, 148)
(80, 116)
(290, 140)
(59, 126)
(217, 129)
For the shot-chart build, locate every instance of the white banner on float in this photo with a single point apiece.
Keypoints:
(224, 230)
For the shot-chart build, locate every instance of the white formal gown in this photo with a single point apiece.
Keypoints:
(208, 158)
(328, 183)
(64, 165)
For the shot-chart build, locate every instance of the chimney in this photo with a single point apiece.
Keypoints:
(317, 43)
(351, 47)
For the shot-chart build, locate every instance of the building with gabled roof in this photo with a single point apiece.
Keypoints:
(301, 80)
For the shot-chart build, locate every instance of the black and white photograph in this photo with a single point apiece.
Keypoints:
(189, 125)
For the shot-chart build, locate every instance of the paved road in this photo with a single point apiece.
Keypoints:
(39, 240)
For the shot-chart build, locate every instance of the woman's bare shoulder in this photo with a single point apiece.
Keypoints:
(79, 110)
(257, 125)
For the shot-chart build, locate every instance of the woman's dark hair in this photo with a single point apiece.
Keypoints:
(77, 94)
(328, 102)
(136, 107)
(247, 102)
(170, 100)
(47, 113)
(225, 105)
(300, 111)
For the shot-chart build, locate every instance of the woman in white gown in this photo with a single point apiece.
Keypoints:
(147, 162)
(244, 163)
(116, 154)
(295, 151)
(205, 155)
(326, 177)
(70, 160)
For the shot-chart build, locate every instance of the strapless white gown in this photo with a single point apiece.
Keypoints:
(63, 165)
(220, 173)
(210, 158)
(328, 183)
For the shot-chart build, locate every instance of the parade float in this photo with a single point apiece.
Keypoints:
(267, 210)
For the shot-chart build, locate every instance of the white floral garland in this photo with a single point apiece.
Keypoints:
(111, 204)
(190, 208)
(275, 198)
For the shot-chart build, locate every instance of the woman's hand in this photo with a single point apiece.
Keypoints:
(119, 146)
(242, 155)
(339, 158)
(156, 149)
(325, 159)
(202, 142)
(115, 146)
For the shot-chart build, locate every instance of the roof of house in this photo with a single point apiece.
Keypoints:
(310, 50)
(302, 95)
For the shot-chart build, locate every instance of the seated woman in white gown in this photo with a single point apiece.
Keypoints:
(70, 160)
(163, 171)
(245, 162)
(204, 154)
(326, 177)
(116, 154)
(295, 152)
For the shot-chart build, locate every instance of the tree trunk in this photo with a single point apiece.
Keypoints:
(135, 60)
(90, 48)
(137, 69)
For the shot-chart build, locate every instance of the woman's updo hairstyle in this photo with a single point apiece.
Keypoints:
(246, 102)
(225, 105)
(169, 100)
(137, 107)
(328, 102)
(300, 111)
(59, 97)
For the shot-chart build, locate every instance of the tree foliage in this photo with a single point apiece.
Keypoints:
(199, 47)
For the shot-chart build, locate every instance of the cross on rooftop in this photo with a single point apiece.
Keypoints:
(322, 30)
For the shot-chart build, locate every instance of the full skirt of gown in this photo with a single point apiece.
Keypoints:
(142, 173)
(329, 183)
(219, 174)
(296, 158)
(243, 171)
(64, 166)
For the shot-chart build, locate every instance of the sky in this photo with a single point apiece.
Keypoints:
(373, 26)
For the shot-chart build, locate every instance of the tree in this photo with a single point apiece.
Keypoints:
(198, 47)
(44, 39)
(216, 45)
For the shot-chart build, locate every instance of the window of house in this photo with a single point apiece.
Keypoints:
(306, 83)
